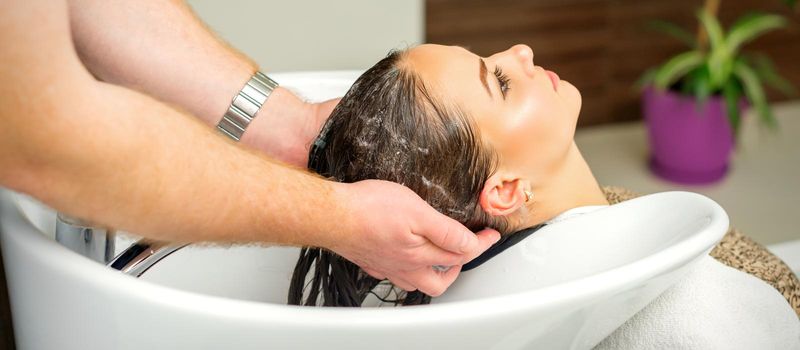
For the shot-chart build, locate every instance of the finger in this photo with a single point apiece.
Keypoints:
(486, 238)
(450, 276)
(402, 284)
(434, 283)
(440, 268)
(445, 232)
(448, 234)
(374, 273)
(430, 254)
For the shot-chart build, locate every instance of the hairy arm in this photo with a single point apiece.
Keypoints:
(162, 49)
(120, 158)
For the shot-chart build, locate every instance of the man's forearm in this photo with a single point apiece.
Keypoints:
(122, 159)
(129, 161)
(162, 49)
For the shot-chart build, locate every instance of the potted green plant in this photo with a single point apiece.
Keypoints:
(693, 102)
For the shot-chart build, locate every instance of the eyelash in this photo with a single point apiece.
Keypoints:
(505, 82)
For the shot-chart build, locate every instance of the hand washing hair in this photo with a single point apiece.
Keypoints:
(389, 126)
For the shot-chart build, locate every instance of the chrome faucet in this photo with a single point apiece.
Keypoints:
(142, 255)
(97, 243)
(93, 242)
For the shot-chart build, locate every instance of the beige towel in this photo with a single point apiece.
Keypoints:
(713, 307)
(742, 253)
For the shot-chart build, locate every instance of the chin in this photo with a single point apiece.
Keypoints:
(571, 96)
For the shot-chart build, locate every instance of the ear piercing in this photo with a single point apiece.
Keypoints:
(528, 195)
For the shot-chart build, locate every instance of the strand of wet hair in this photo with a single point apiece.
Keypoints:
(341, 282)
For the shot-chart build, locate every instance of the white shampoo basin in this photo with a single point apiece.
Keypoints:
(580, 279)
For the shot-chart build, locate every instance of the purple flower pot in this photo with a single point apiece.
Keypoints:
(689, 144)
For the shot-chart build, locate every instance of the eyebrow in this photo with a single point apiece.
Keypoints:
(483, 71)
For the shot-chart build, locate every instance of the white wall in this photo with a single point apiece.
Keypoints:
(295, 35)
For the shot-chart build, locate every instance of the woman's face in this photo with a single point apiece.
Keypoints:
(522, 110)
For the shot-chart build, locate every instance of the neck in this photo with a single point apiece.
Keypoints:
(568, 186)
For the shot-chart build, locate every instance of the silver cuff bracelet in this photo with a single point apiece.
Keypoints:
(245, 105)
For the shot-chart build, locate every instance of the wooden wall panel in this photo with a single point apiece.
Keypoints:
(601, 46)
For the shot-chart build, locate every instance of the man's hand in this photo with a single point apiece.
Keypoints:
(398, 236)
(285, 127)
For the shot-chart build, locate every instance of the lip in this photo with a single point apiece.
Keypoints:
(553, 78)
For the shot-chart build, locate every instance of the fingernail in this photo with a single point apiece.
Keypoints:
(441, 268)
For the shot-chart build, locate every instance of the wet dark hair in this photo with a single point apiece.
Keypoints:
(389, 127)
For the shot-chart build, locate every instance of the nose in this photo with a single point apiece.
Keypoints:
(523, 55)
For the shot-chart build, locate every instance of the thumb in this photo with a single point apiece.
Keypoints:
(447, 233)
(486, 238)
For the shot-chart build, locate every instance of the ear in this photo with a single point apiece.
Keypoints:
(502, 194)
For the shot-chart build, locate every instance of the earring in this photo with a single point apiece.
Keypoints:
(528, 195)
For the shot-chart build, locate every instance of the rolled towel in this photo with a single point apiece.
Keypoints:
(713, 307)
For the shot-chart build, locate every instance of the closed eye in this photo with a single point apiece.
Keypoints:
(502, 80)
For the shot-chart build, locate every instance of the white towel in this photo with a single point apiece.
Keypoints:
(713, 307)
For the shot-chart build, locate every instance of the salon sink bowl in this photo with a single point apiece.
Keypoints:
(592, 274)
